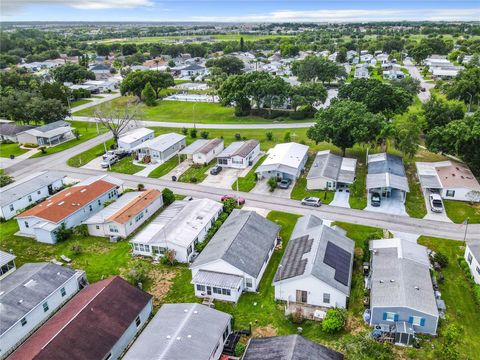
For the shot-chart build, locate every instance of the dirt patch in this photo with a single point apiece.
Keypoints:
(355, 325)
(264, 331)
(162, 281)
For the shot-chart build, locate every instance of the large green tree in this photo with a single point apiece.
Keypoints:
(465, 86)
(73, 73)
(439, 112)
(344, 124)
(308, 94)
(407, 135)
(229, 65)
(135, 82)
(314, 68)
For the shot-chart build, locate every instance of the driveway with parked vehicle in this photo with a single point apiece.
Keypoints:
(262, 187)
(223, 179)
(387, 205)
(435, 208)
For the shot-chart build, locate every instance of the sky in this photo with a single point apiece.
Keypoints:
(239, 10)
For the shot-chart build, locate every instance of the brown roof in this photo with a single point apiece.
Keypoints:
(212, 144)
(457, 175)
(68, 201)
(246, 148)
(135, 206)
(89, 325)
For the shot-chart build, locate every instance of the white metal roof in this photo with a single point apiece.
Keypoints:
(136, 134)
(287, 154)
(6, 257)
(162, 142)
(194, 147)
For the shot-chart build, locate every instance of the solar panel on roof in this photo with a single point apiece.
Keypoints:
(339, 259)
(292, 262)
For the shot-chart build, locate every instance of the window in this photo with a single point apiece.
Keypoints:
(450, 193)
(416, 320)
(141, 247)
(29, 198)
(26, 224)
(11, 207)
(326, 298)
(478, 270)
(39, 192)
(469, 258)
(225, 334)
(23, 321)
(137, 321)
(45, 307)
(108, 356)
(63, 292)
(113, 228)
(226, 292)
(136, 247)
(189, 250)
(147, 248)
(90, 207)
(139, 216)
(390, 316)
(248, 282)
(301, 296)
(200, 287)
(97, 227)
(217, 290)
(99, 202)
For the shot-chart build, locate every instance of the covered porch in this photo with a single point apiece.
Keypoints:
(216, 285)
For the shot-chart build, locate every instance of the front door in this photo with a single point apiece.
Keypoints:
(301, 296)
(209, 290)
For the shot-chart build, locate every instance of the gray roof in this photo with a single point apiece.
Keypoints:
(180, 332)
(52, 126)
(194, 147)
(26, 288)
(239, 148)
(318, 250)
(194, 67)
(6, 257)
(11, 129)
(27, 185)
(401, 276)
(244, 241)
(100, 67)
(213, 278)
(386, 170)
(474, 247)
(334, 167)
(212, 144)
(290, 347)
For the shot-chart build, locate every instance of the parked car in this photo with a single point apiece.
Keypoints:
(436, 203)
(284, 184)
(109, 161)
(216, 170)
(240, 200)
(375, 200)
(423, 89)
(120, 153)
(311, 201)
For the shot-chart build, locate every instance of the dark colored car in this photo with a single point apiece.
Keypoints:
(284, 184)
(240, 200)
(375, 200)
(216, 170)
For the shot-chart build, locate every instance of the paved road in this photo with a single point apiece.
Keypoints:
(279, 125)
(96, 101)
(386, 221)
(415, 73)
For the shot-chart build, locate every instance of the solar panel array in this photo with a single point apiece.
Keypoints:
(292, 262)
(339, 259)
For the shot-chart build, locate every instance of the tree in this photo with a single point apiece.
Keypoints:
(102, 49)
(341, 55)
(287, 49)
(169, 257)
(314, 68)
(440, 112)
(420, 53)
(272, 184)
(117, 120)
(193, 133)
(62, 233)
(242, 44)
(334, 320)
(5, 180)
(168, 196)
(71, 72)
(409, 84)
(128, 49)
(229, 205)
(344, 124)
(308, 94)
(204, 134)
(138, 273)
(135, 82)
(473, 196)
(407, 135)
(148, 95)
(229, 65)
(377, 96)
(465, 86)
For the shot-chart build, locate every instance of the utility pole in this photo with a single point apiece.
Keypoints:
(466, 229)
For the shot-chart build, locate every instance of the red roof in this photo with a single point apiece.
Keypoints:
(89, 325)
(68, 201)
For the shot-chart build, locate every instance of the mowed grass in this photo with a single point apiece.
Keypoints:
(79, 102)
(126, 166)
(85, 157)
(415, 201)
(459, 211)
(11, 149)
(164, 169)
(87, 131)
(180, 111)
(197, 172)
(248, 182)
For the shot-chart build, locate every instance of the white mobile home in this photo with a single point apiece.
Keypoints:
(7, 264)
(126, 214)
(329, 171)
(27, 191)
(472, 257)
(284, 161)
(135, 137)
(179, 227)
(239, 154)
(236, 257)
(203, 151)
(160, 149)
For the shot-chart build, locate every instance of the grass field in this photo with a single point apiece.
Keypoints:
(247, 183)
(198, 38)
(165, 168)
(83, 158)
(11, 149)
(196, 173)
(181, 111)
(79, 102)
(458, 211)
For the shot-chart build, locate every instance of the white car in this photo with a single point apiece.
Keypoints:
(436, 203)
(108, 161)
(311, 201)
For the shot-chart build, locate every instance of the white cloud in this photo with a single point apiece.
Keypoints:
(12, 7)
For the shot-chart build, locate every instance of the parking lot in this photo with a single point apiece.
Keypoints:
(391, 205)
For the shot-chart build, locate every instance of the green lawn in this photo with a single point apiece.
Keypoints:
(165, 168)
(358, 191)
(300, 191)
(126, 166)
(11, 149)
(181, 111)
(458, 211)
(83, 158)
(415, 202)
(196, 173)
(87, 131)
(247, 183)
(79, 102)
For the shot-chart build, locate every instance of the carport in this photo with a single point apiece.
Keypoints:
(386, 176)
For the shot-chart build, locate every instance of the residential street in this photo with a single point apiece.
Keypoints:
(415, 73)
(96, 101)
(392, 222)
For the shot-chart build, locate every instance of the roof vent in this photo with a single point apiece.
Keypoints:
(178, 337)
(185, 310)
(20, 301)
(169, 337)
(417, 288)
(381, 281)
(392, 280)
(83, 190)
(30, 283)
(189, 336)
(61, 203)
(195, 312)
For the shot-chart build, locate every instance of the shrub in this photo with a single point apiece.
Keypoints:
(30, 145)
(5, 180)
(441, 259)
(148, 95)
(168, 257)
(362, 346)
(193, 133)
(204, 134)
(297, 317)
(287, 137)
(81, 230)
(334, 321)
(184, 131)
(238, 136)
(76, 133)
(229, 205)
(138, 273)
(269, 135)
(62, 233)
(76, 249)
(43, 149)
(168, 196)
(140, 187)
(240, 349)
(193, 179)
(272, 183)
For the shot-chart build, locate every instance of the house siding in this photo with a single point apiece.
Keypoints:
(431, 322)
(14, 336)
(460, 194)
(238, 162)
(474, 264)
(131, 145)
(200, 158)
(320, 183)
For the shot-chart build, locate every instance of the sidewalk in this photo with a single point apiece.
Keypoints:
(7, 162)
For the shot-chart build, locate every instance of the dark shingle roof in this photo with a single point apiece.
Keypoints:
(392, 164)
(340, 260)
(293, 263)
(291, 347)
(53, 125)
(11, 129)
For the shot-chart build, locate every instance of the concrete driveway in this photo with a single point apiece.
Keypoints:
(94, 164)
(433, 215)
(178, 170)
(341, 198)
(262, 188)
(224, 179)
(392, 205)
